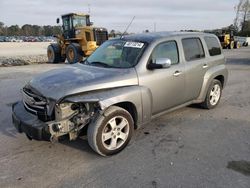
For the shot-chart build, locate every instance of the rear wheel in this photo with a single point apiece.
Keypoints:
(74, 53)
(54, 54)
(110, 133)
(236, 45)
(213, 95)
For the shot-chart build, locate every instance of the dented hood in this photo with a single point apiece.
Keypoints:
(79, 78)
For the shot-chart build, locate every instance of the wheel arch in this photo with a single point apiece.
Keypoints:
(128, 98)
(221, 78)
(218, 72)
(131, 108)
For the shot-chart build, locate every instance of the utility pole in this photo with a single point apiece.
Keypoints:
(89, 9)
(154, 26)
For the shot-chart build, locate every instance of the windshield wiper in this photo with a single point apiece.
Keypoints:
(100, 64)
(85, 62)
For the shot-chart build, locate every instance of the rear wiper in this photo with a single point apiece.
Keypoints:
(100, 63)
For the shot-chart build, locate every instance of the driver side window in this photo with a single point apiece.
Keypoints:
(166, 50)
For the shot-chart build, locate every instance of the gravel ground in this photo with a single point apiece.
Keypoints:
(190, 147)
(24, 53)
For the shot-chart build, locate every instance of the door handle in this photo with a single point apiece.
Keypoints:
(177, 73)
(205, 66)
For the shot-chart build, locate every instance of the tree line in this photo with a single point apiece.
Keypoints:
(29, 30)
(246, 29)
(242, 21)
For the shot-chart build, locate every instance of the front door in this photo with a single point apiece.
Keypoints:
(167, 85)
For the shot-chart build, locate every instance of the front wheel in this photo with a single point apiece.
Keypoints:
(213, 95)
(110, 132)
(74, 53)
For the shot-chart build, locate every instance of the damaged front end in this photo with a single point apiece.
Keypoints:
(71, 118)
(43, 119)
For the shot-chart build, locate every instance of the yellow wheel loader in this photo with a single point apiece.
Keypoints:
(227, 41)
(78, 39)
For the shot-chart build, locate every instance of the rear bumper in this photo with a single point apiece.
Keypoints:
(28, 123)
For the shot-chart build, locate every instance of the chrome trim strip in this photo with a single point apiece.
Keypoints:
(28, 107)
(31, 101)
(33, 95)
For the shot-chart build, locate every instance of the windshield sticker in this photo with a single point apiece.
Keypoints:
(134, 44)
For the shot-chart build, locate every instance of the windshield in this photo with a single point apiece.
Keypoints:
(117, 54)
(79, 21)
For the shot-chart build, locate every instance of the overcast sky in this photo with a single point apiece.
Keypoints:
(169, 15)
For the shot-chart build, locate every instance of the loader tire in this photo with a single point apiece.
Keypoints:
(236, 45)
(231, 45)
(74, 53)
(54, 54)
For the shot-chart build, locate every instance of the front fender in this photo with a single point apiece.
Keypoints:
(212, 73)
(140, 97)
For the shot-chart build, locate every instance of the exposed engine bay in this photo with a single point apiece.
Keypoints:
(70, 118)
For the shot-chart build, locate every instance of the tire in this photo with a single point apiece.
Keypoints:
(213, 99)
(109, 123)
(54, 54)
(236, 45)
(74, 53)
(231, 45)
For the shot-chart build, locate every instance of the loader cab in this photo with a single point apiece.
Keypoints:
(224, 38)
(73, 21)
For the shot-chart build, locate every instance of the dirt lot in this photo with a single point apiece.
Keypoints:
(190, 147)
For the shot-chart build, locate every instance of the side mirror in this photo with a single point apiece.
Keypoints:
(91, 23)
(165, 62)
(160, 63)
(57, 20)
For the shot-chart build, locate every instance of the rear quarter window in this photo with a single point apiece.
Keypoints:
(213, 46)
(193, 49)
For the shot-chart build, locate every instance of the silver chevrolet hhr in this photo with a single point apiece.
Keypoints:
(124, 84)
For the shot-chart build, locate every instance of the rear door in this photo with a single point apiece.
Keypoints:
(195, 66)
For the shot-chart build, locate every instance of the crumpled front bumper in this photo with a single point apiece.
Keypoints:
(29, 124)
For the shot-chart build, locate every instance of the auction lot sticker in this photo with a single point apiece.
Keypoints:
(134, 44)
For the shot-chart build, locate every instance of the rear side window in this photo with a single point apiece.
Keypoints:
(193, 49)
(213, 46)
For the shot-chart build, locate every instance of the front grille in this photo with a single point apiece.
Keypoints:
(101, 35)
(35, 104)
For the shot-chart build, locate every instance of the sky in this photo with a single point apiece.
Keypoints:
(166, 15)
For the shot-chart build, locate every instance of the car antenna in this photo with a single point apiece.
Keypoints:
(127, 27)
